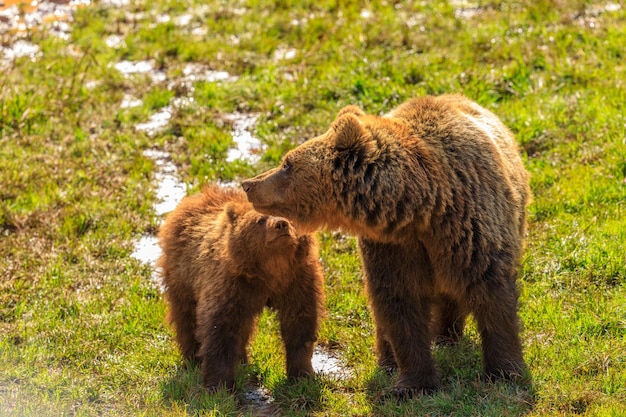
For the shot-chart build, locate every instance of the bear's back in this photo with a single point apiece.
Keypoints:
(194, 231)
(465, 136)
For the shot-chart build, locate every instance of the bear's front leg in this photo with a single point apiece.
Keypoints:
(224, 328)
(299, 312)
(401, 305)
(299, 333)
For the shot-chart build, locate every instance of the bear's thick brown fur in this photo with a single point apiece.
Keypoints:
(222, 263)
(436, 192)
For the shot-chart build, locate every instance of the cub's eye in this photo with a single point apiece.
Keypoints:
(286, 166)
(261, 221)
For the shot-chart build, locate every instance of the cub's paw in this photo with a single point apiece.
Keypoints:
(407, 388)
(404, 394)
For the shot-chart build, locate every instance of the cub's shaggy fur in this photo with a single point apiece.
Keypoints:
(436, 192)
(222, 264)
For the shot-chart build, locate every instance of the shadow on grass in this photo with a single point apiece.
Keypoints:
(299, 397)
(185, 391)
(463, 391)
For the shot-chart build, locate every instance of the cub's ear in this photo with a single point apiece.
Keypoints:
(231, 213)
(349, 132)
(350, 109)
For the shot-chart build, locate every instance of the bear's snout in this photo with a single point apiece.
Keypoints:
(281, 225)
(278, 226)
(247, 185)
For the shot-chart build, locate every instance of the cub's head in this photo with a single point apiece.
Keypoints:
(318, 179)
(255, 236)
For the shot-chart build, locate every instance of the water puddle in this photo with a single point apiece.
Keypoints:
(157, 122)
(329, 364)
(114, 41)
(19, 49)
(131, 68)
(261, 402)
(464, 9)
(589, 17)
(247, 147)
(286, 54)
(129, 101)
(19, 18)
(260, 399)
(199, 72)
(170, 191)
(148, 251)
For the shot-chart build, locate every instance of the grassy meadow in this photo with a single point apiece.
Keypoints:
(82, 330)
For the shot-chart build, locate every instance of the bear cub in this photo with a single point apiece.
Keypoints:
(222, 263)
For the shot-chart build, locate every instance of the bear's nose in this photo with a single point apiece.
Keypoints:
(281, 225)
(246, 185)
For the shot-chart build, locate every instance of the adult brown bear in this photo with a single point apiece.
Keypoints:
(222, 263)
(436, 193)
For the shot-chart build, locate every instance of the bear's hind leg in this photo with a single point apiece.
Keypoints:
(384, 351)
(448, 321)
(182, 314)
(495, 310)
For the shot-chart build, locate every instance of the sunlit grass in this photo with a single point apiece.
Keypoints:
(82, 328)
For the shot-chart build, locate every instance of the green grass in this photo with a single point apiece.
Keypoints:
(82, 328)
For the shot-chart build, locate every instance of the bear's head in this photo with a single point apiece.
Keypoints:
(259, 245)
(252, 237)
(344, 178)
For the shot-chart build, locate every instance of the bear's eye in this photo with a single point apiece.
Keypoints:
(261, 221)
(286, 166)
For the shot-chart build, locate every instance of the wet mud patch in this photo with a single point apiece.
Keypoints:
(260, 402)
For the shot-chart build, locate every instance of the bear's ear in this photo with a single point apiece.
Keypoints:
(349, 132)
(350, 109)
(231, 214)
